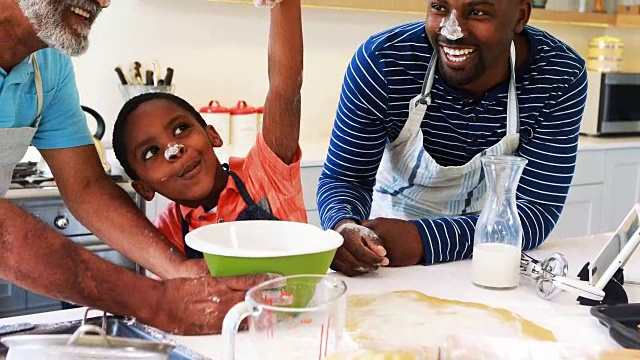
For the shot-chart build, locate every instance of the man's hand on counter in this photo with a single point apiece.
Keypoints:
(400, 238)
(197, 306)
(361, 252)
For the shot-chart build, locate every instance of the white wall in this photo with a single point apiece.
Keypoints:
(218, 51)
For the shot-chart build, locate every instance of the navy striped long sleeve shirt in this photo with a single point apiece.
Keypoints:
(388, 70)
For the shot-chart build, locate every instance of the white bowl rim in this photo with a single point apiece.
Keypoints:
(334, 241)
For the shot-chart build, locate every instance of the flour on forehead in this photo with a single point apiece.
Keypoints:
(47, 18)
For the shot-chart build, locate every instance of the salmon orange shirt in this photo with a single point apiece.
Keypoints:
(266, 177)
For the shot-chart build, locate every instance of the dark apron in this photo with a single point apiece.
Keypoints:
(252, 212)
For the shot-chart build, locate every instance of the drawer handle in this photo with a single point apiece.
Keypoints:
(98, 248)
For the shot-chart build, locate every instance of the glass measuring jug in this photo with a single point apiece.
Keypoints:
(498, 238)
(294, 317)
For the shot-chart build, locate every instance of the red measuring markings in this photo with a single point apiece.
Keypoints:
(324, 340)
(287, 294)
(271, 322)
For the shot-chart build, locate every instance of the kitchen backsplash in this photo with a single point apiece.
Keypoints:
(219, 52)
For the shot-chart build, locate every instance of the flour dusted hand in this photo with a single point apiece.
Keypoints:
(266, 3)
(192, 268)
(400, 238)
(362, 251)
(197, 306)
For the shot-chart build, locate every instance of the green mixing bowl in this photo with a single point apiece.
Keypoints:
(280, 247)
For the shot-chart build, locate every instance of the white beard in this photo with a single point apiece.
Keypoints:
(47, 19)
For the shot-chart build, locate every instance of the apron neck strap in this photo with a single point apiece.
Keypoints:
(39, 89)
(513, 115)
(418, 109)
(428, 80)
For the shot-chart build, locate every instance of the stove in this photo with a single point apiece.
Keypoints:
(39, 195)
(26, 176)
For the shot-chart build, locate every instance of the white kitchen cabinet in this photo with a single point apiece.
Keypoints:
(581, 214)
(310, 176)
(589, 168)
(313, 217)
(621, 186)
(155, 206)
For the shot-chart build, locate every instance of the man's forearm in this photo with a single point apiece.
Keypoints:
(37, 258)
(112, 216)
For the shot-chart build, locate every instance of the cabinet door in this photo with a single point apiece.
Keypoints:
(310, 177)
(155, 206)
(313, 218)
(621, 186)
(581, 214)
(39, 301)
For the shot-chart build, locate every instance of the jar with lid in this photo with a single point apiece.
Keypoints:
(605, 54)
(219, 117)
(244, 128)
(260, 112)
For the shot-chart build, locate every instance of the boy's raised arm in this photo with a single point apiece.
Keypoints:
(281, 124)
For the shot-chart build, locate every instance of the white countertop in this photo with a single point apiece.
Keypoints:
(588, 143)
(569, 321)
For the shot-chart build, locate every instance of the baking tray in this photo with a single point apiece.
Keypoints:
(622, 321)
(115, 326)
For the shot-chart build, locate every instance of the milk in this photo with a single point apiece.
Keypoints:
(496, 265)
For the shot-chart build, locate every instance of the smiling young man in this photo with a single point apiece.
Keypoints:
(39, 106)
(420, 104)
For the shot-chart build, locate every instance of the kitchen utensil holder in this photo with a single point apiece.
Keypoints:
(130, 91)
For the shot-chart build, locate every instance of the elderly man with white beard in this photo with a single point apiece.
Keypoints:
(39, 106)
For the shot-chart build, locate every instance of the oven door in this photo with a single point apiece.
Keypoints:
(96, 246)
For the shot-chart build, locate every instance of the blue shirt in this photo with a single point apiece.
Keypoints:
(63, 123)
(388, 70)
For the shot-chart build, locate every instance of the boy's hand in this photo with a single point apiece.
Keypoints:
(281, 124)
(266, 3)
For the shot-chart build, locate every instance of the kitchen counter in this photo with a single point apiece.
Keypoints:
(569, 321)
(49, 192)
(314, 151)
(588, 143)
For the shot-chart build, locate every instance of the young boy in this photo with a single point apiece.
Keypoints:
(165, 146)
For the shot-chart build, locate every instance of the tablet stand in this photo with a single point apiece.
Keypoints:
(614, 292)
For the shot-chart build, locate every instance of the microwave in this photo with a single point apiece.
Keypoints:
(613, 104)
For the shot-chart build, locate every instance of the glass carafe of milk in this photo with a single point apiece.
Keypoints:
(498, 237)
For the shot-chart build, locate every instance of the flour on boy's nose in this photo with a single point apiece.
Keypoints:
(172, 150)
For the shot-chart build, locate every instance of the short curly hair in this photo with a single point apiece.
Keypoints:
(120, 127)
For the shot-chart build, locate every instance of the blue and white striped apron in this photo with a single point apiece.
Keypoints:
(410, 184)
